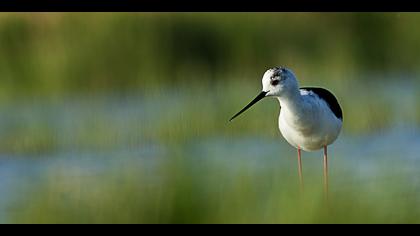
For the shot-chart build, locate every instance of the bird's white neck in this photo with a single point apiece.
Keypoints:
(291, 101)
(294, 110)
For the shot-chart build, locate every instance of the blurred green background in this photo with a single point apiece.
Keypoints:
(123, 117)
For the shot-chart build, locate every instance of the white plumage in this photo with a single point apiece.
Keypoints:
(310, 118)
(306, 121)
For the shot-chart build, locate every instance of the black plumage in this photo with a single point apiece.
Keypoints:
(329, 98)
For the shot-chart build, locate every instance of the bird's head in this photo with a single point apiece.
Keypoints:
(276, 82)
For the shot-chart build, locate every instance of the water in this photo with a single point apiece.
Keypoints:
(88, 139)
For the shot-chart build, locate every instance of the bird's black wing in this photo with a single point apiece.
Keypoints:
(329, 98)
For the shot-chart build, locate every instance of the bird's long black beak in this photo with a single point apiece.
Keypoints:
(259, 97)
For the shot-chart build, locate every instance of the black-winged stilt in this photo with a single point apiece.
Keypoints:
(310, 118)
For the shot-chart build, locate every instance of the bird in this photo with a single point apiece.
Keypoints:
(310, 118)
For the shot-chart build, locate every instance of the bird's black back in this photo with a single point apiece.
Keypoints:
(329, 98)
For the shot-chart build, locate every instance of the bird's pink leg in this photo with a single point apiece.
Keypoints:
(300, 168)
(326, 172)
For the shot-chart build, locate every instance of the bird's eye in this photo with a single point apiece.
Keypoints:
(275, 82)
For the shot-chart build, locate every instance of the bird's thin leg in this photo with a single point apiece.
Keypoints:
(326, 172)
(300, 168)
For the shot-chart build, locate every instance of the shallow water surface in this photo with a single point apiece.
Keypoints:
(64, 150)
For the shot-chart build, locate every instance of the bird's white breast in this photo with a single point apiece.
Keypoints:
(309, 125)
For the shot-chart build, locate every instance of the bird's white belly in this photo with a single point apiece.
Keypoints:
(310, 136)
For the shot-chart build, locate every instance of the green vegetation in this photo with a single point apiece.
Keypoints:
(128, 114)
(61, 54)
(184, 190)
